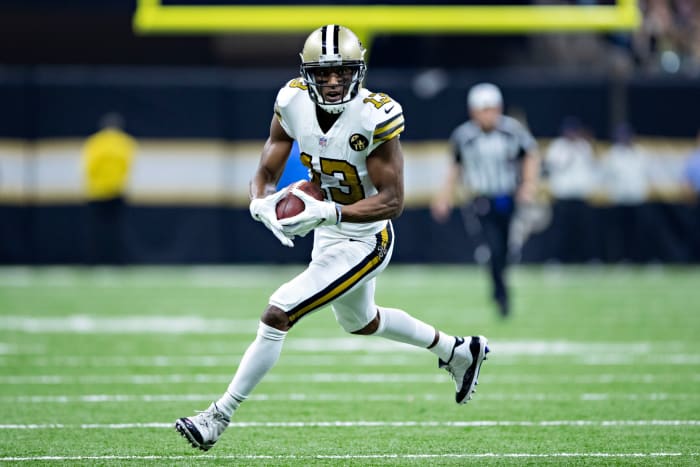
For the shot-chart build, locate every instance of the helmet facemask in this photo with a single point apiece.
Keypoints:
(333, 57)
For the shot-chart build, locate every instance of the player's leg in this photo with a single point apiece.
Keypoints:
(461, 357)
(357, 313)
(495, 230)
(204, 429)
(334, 270)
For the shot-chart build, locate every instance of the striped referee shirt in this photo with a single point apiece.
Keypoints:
(491, 161)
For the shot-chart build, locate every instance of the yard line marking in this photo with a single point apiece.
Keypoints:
(230, 361)
(86, 324)
(510, 351)
(355, 378)
(408, 360)
(336, 397)
(496, 455)
(290, 359)
(193, 324)
(361, 423)
(105, 277)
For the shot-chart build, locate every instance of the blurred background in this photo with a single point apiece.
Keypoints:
(614, 110)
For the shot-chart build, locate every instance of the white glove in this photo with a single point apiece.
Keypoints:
(315, 214)
(263, 210)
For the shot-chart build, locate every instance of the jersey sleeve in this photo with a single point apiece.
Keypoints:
(283, 104)
(387, 120)
(455, 146)
(526, 141)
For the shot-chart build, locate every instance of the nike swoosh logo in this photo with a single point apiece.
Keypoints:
(386, 111)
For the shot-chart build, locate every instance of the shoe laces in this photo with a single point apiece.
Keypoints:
(207, 416)
(447, 365)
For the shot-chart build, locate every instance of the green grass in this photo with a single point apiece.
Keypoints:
(597, 366)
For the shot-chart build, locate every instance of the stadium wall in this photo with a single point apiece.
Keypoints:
(200, 134)
(56, 234)
(186, 103)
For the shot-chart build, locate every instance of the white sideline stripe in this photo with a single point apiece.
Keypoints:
(106, 277)
(209, 361)
(229, 361)
(337, 397)
(355, 378)
(347, 424)
(139, 324)
(86, 324)
(490, 455)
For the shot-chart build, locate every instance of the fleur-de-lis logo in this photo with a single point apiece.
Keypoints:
(358, 142)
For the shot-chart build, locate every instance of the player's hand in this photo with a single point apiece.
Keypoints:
(526, 193)
(263, 210)
(315, 214)
(440, 210)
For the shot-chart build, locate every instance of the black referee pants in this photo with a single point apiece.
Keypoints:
(494, 216)
(105, 231)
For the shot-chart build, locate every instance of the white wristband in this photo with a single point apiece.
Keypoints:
(338, 213)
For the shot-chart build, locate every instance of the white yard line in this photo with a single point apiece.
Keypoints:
(227, 361)
(86, 324)
(355, 424)
(486, 455)
(333, 359)
(339, 397)
(354, 378)
(246, 277)
(193, 324)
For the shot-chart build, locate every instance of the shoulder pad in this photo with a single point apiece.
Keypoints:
(289, 91)
(509, 123)
(384, 114)
(294, 90)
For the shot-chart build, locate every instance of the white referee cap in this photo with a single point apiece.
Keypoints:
(484, 96)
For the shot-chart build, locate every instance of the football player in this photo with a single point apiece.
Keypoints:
(349, 140)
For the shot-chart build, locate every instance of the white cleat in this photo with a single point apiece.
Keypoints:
(203, 429)
(464, 365)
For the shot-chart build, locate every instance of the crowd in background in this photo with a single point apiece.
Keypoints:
(668, 41)
(628, 170)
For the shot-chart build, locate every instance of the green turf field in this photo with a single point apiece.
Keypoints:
(597, 366)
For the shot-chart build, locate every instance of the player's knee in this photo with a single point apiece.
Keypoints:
(276, 318)
(370, 328)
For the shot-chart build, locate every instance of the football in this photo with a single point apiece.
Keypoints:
(291, 205)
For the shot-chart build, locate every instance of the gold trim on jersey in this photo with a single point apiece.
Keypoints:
(389, 128)
(298, 83)
(278, 113)
(347, 280)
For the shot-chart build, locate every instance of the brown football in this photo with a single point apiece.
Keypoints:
(290, 204)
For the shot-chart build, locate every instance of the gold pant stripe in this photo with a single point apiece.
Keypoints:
(345, 282)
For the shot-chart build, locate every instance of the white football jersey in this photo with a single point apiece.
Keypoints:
(338, 159)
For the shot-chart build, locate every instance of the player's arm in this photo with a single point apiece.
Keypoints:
(530, 175)
(385, 169)
(444, 201)
(272, 161)
(263, 185)
(530, 168)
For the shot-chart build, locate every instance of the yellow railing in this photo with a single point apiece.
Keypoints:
(152, 17)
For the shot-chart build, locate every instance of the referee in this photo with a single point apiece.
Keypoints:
(495, 157)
